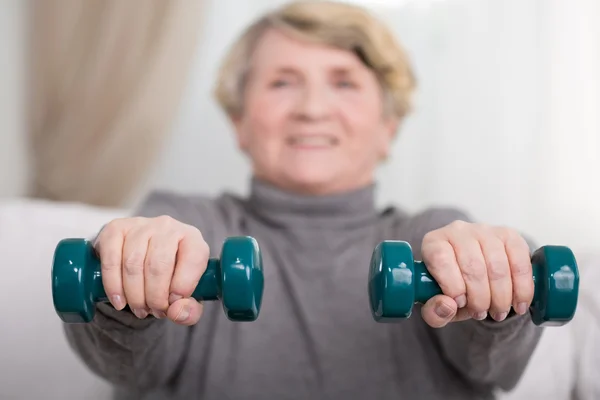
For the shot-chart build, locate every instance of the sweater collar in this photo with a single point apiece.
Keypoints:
(287, 209)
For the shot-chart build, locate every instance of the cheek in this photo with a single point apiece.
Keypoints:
(367, 136)
(266, 117)
(362, 119)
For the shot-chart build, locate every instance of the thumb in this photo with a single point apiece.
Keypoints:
(439, 310)
(185, 311)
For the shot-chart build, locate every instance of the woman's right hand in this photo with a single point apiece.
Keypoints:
(153, 265)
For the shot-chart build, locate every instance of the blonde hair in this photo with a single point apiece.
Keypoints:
(331, 23)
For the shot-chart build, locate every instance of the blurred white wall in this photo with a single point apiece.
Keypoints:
(506, 124)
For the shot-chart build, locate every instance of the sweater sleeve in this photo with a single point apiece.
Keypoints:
(140, 355)
(488, 353)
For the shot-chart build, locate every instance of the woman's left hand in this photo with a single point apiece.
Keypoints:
(481, 269)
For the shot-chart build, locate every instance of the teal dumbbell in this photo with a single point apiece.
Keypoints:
(397, 282)
(236, 279)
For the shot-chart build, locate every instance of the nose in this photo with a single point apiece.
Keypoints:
(313, 103)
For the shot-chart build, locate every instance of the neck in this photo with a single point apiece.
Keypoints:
(291, 209)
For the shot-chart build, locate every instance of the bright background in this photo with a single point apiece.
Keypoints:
(506, 123)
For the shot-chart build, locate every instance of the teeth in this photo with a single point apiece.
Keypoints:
(312, 140)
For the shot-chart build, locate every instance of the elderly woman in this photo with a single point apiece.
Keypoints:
(316, 92)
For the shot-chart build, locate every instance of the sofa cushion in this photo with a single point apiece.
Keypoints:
(36, 360)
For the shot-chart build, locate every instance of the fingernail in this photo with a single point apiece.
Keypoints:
(158, 314)
(184, 313)
(174, 297)
(500, 316)
(480, 315)
(117, 302)
(521, 308)
(443, 311)
(141, 314)
(461, 301)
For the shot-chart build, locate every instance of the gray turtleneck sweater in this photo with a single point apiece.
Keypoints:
(315, 337)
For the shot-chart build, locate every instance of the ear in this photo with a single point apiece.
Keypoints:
(391, 125)
(390, 128)
(240, 132)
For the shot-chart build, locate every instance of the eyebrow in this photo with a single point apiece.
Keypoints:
(286, 70)
(343, 70)
(337, 70)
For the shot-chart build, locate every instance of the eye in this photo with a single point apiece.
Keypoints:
(345, 84)
(279, 83)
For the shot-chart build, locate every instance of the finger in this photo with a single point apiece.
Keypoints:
(519, 259)
(441, 263)
(185, 312)
(158, 270)
(499, 275)
(474, 272)
(439, 310)
(109, 248)
(134, 255)
(191, 262)
(462, 314)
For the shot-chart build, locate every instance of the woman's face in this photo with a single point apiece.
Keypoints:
(313, 119)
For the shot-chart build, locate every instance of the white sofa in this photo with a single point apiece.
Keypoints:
(37, 363)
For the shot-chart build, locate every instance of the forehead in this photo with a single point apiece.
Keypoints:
(275, 49)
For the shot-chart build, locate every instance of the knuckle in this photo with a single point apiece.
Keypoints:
(521, 269)
(165, 220)
(459, 224)
(500, 305)
(439, 258)
(137, 305)
(430, 236)
(507, 233)
(481, 301)
(524, 246)
(110, 229)
(497, 306)
(159, 264)
(134, 297)
(159, 303)
(204, 249)
(111, 285)
(133, 263)
(513, 238)
(473, 270)
(110, 264)
(118, 226)
(192, 231)
(497, 269)
(483, 227)
(120, 223)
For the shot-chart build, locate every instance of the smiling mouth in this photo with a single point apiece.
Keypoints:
(312, 141)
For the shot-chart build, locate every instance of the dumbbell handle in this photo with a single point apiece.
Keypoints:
(426, 286)
(207, 289)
